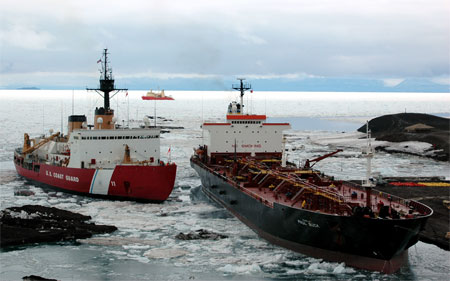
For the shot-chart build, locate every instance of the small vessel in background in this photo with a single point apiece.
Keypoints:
(156, 96)
(103, 159)
(243, 167)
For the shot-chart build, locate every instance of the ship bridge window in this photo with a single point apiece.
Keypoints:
(75, 137)
(83, 138)
(103, 138)
(94, 138)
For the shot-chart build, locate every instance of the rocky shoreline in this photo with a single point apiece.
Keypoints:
(413, 127)
(38, 224)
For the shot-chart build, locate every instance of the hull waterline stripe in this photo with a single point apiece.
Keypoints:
(93, 180)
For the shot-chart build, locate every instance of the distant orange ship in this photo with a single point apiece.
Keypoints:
(156, 96)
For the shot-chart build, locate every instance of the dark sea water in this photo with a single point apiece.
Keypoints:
(145, 247)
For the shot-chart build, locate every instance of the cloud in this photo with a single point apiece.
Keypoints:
(164, 75)
(296, 76)
(392, 82)
(268, 39)
(442, 80)
(57, 79)
(26, 37)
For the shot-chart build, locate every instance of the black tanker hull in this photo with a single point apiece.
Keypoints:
(374, 244)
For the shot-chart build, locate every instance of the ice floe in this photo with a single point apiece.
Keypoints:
(162, 253)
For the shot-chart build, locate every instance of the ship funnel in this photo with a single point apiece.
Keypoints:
(76, 122)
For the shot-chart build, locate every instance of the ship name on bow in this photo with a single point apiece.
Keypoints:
(308, 223)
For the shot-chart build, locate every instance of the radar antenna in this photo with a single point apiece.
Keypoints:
(242, 87)
(106, 82)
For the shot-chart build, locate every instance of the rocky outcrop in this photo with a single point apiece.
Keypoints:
(393, 128)
(38, 224)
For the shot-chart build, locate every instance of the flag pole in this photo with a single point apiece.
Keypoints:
(170, 154)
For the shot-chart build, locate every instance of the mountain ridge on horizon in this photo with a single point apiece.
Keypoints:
(276, 84)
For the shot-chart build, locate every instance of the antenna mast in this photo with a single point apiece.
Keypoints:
(104, 115)
(242, 87)
(106, 82)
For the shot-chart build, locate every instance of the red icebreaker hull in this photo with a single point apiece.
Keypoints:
(130, 182)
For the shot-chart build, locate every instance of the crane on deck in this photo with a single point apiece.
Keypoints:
(315, 160)
(27, 148)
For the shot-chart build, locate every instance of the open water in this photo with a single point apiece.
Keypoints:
(145, 248)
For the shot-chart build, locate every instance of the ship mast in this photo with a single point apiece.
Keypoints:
(106, 87)
(368, 153)
(242, 87)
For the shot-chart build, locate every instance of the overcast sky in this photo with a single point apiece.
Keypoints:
(53, 40)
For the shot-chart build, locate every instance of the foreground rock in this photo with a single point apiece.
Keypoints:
(39, 224)
(406, 127)
(200, 234)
